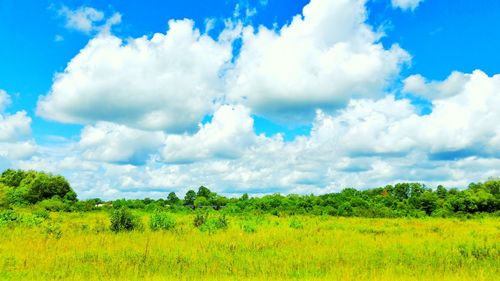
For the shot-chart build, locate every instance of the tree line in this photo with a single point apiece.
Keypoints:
(52, 192)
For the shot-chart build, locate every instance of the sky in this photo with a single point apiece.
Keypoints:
(137, 99)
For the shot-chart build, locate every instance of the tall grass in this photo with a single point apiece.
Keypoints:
(322, 248)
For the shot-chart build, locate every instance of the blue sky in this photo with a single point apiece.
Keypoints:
(291, 92)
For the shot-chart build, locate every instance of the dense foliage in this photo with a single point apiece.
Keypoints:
(400, 200)
(19, 187)
(123, 220)
(53, 193)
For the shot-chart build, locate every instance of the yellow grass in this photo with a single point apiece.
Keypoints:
(80, 247)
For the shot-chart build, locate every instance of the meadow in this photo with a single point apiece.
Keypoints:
(81, 246)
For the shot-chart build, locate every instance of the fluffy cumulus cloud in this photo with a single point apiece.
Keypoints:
(406, 4)
(144, 104)
(115, 143)
(168, 82)
(15, 132)
(463, 122)
(417, 85)
(230, 130)
(323, 58)
(14, 127)
(370, 142)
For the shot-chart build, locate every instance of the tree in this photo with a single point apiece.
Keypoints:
(401, 191)
(44, 186)
(70, 196)
(493, 186)
(441, 191)
(4, 200)
(428, 202)
(189, 198)
(12, 178)
(200, 202)
(204, 192)
(172, 198)
(29, 187)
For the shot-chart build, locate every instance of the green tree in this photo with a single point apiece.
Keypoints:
(441, 191)
(12, 178)
(172, 198)
(4, 200)
(201, 202)
(204, 192)
(401, 191)
(189, 198)
(428, 202)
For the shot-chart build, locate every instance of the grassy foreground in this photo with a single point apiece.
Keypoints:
(80, 246)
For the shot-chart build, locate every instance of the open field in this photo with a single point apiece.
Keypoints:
(80, 246)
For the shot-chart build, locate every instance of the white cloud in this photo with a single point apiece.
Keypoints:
(416, 84)
(463, 121)
(17, 150)
(369, 143)
(87, 19)
(108, 142)
(168, 82)
(321, 59)
(406, 4)
(4, 100)
(14, 127)
(82, 19)
(15, 132)
(141, 99)
(226, 136)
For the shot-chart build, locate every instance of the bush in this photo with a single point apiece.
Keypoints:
(161, 220)
(54, 205)
(8, 216)
(123, 220)
(212, 225)
(41, 213)
(31, 220)
(200, 219)
(222, 222)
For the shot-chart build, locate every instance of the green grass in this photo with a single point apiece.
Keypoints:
(72, 246)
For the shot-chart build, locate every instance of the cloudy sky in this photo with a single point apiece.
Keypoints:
(140, 99)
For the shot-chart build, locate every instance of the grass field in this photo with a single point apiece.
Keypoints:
(74, 246)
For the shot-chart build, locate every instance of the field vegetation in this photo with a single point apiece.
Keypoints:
(401, 232)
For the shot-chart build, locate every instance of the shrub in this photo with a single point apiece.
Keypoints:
(53, 204)
(222, 222)
(161, 220)
(214, 224)
(200, 219)
(123, 220)
(8, 216)
(31, 220)
(41, 213)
